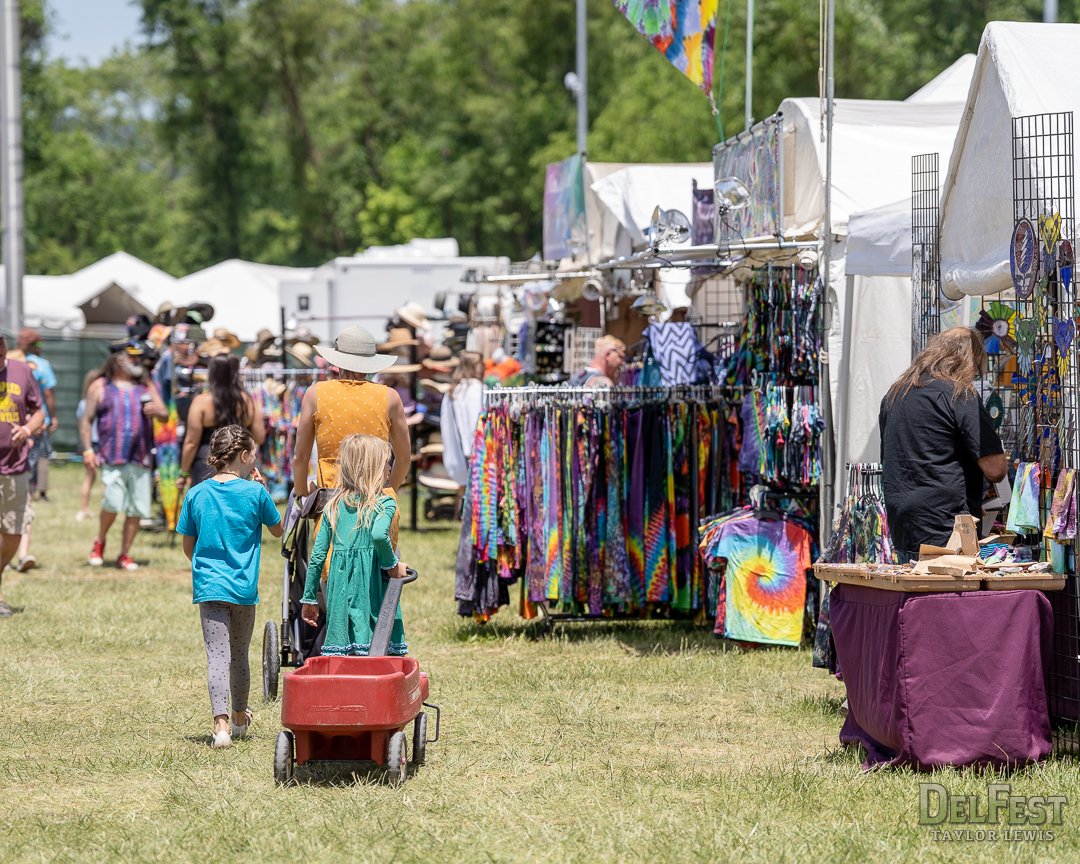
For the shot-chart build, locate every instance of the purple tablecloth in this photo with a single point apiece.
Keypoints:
(944, 679)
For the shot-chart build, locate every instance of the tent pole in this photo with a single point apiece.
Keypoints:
(11, 158)
(749, 64)
(827, 443)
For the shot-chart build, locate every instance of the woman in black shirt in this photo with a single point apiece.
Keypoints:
(938, 443)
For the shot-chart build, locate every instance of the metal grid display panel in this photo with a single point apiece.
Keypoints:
(718, 313)
(579, 346)
(925, 251)
(1040, 418)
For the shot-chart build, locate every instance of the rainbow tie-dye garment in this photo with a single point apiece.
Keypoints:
(765, 579)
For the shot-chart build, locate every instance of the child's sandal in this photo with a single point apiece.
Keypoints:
(242, 731)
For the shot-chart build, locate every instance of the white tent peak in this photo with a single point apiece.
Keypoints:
(245, 294)
(951, 85)
(1012, 79)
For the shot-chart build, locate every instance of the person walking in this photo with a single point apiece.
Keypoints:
(350, 404)
(221, 523)
(224, 404)
(89, 471)
(461, 409)
(21, 416)
(123, 405)
(29, 351)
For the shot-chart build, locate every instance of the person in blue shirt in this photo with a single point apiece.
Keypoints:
(221, 522)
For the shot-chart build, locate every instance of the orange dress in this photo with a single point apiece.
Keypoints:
(343, 408)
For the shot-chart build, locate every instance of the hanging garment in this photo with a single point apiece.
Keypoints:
(767, 563)
(1024, 510)
(676, 348)
(1061, 525)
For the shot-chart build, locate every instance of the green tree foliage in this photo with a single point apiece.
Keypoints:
(291, 131)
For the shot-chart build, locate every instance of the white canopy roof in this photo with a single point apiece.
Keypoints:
(632, 192)
(873, 142)
(1021, 69)
(246, 296)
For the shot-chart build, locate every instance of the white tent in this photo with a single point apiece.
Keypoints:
(1021, 69)
(103, 293)
(869, 338)
(246, 296)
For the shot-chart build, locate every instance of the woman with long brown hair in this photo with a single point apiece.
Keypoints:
(223, 404)
(938, 443)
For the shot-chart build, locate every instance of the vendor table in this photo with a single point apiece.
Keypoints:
(944, 679)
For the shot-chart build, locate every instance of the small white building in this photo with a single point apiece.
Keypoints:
(365, 289)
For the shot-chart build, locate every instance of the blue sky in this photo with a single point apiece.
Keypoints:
(89, 30)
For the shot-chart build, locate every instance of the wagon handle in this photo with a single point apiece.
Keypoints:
(380, 639)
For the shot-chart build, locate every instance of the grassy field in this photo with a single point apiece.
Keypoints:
(629, 743)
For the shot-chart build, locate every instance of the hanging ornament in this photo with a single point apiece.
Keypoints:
(1023, 260)
(996, 409)
(1050, 230)
(1064, 331)
(997, 328)
(1026, 330)
(1065, 260)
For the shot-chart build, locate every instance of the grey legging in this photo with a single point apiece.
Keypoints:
(227, 629)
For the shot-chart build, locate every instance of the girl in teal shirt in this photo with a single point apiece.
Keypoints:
(355, 535)
(221, 521)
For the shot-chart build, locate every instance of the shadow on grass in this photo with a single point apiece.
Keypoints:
(643, 637)
(338, 774)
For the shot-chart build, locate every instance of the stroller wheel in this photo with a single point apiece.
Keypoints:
(271, 661)
(397, 759)
(283, 759)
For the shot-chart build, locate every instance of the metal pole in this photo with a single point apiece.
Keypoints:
(11, 164)
(1050, 11)
(827, 492)
(583, 79)
(749, 63)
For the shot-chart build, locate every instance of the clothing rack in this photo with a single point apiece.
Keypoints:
(537, 394)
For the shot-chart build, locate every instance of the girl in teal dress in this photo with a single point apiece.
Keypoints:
(355, 534)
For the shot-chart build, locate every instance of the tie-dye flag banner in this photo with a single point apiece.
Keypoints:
(682, 30)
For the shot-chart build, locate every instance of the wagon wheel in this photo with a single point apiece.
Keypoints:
(397, 759)
(283, 759)
(271, 661)
(419, 741)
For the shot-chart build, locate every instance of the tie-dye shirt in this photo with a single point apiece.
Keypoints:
(767, 560)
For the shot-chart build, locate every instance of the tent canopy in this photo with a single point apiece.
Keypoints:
(952, 85)
(873, 142)
(1012, 78)
(246, 296)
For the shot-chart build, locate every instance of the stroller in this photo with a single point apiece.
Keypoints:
(293, 641)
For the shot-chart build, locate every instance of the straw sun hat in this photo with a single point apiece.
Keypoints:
(354, 351)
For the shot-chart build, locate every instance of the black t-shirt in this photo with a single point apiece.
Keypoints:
(931, 443)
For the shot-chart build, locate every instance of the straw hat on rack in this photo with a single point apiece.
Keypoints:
(398, 339)
(303, 353)
(354, 351)
(413, 314)
(264, 339)
(213, 347)
(227, 337)
(440, 387)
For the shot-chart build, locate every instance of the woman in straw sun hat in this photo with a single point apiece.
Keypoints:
(351, 404)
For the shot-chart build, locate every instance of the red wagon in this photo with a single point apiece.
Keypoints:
(356, 709)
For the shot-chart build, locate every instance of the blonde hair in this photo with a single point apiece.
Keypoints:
(956, 356)
(362, 463)
(470, 365)
(609, 343)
